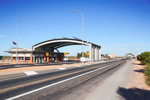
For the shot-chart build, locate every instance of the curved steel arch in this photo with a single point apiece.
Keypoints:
(57, 43)
(129, 54)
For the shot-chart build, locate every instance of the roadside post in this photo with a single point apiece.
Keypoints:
(65, 54)
(87, 54)
(47, 55)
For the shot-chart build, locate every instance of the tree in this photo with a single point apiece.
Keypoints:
(144, 57)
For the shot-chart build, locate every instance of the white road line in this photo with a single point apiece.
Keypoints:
(32, 91)
(78, 66)
(11, 78)
(88, 64)
(29, 73)
(61, 68)
(64, 64)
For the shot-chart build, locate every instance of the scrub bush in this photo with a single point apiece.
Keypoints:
(145, 59)
(147, 74)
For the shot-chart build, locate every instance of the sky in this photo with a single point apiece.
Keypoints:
(118, 26)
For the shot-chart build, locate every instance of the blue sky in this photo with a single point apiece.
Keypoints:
(119, 26)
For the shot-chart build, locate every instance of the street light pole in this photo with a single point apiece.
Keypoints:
(82, 31)
(17, 40)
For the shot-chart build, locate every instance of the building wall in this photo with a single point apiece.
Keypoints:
(22, 58)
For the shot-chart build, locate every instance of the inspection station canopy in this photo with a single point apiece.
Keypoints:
(54, 44)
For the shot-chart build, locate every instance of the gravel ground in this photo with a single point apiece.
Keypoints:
(136, 89)
(137, 78)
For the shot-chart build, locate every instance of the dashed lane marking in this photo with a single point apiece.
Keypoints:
(61, 68)
(28, 73)
(78, 66)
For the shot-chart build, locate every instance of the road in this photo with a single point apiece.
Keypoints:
(49, 85)
(33, 64)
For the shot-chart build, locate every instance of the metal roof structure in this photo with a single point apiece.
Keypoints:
(61, 42)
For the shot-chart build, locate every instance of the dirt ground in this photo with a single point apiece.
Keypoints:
(136, 88)
(137, 77)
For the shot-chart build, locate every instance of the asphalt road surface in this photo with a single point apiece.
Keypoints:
(33, 64)
(57, 85)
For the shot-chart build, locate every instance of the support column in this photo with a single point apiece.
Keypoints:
(48, 59)
(90, 52)
(24, 58)
(11, 58)
(95, 54)
(100, 58)
(44, 58)
(39, 59)
(31, 58)
(93, 50)
(98, 54)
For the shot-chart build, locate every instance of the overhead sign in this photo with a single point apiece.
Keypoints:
(87, 53)
(65, 53)
(47, 54)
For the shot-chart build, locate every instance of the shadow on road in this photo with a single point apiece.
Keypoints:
(134, 93)
(138, 64)
(140, 70)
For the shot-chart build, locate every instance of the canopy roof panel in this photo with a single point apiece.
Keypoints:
(61, 42)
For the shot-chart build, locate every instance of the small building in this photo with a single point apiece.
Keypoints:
(112, 56)
(29, 56)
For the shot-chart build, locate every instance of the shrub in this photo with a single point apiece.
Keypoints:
(147, 74)
(144, 57)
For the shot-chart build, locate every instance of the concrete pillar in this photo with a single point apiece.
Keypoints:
(24, 58)
(98, 54)
(48, 59)
(100, 58)
(39, 59)
(31, 58)
(93, 50)
(44, 58)
(90, 52)
(11, 58)
(95, 53)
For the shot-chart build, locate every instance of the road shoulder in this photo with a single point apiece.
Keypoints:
(136, 89)
(107, 90)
